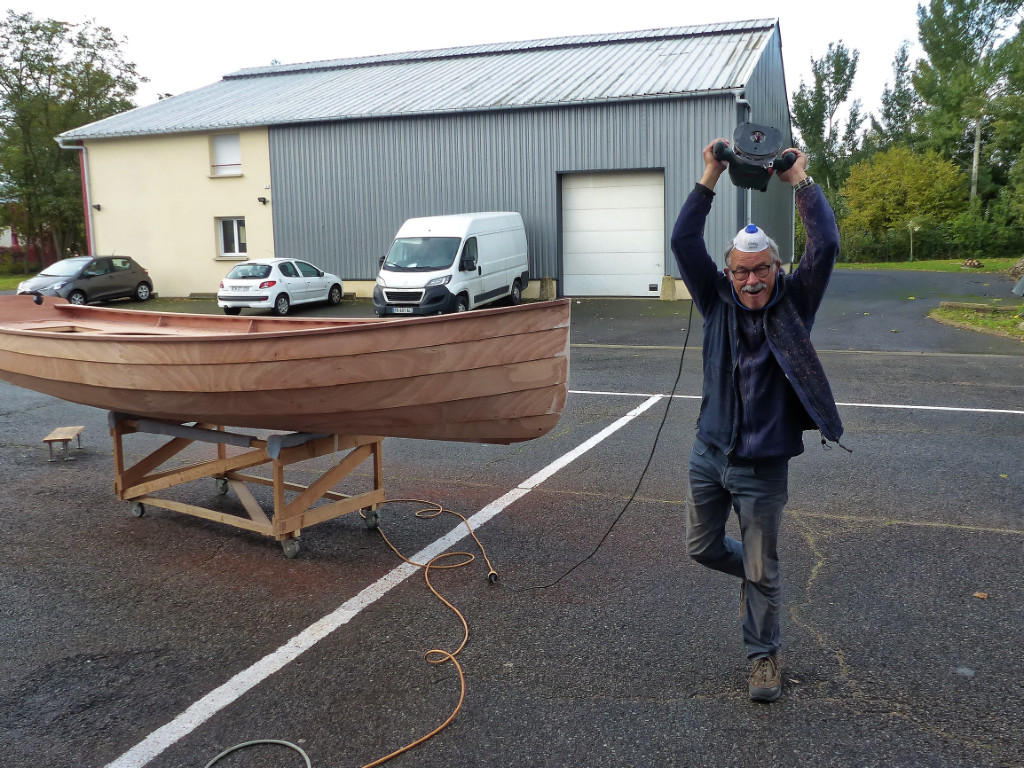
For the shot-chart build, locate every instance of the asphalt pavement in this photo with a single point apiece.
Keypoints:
(163, 640)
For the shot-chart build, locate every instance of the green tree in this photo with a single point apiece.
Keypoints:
(1007, 135)
(899, 189)
(830, 145)
(962, 80)
(1013, 193)
(54, 76)
(899, 105)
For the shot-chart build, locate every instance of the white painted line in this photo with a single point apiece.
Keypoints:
(629, 394)
(932, 408)
(237, 686)
(893, 406)
(561, 463)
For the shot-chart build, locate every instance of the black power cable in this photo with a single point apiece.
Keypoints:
(639, 482)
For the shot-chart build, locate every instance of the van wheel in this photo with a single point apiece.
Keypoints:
(282, 305)
(515, 296)
(461, 304)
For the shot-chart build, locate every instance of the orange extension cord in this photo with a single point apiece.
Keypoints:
(433, 656)
(438, 655)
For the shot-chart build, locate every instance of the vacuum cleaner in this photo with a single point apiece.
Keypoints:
(754, 155)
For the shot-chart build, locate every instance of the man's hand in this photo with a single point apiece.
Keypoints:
(713, 168)
(798, 172)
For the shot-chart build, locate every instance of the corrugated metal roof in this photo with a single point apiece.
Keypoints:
(554, 72)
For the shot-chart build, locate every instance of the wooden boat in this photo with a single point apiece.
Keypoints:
(493, 375)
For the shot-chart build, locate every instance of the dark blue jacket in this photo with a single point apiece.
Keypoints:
(784, 388)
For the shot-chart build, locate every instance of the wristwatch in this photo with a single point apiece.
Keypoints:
(803, 183)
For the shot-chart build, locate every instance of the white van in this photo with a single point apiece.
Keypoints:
(441, 264)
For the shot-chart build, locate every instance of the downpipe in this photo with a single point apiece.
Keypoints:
(83, 165)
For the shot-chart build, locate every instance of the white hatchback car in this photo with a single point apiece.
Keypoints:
(276, 284)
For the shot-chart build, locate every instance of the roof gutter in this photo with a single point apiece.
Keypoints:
(83, 164)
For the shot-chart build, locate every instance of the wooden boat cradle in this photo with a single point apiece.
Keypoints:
(139, 482)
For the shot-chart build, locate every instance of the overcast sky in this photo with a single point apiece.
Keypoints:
(184, 45)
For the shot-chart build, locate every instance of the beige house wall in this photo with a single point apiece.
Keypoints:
(159, 203)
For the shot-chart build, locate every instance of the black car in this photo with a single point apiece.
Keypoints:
(82, 279)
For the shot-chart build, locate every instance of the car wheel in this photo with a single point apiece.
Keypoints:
(334, 297)
(232, 310)
(142, 292)
(76, 297)
(461, 304)
(516, 294)
(282, 305)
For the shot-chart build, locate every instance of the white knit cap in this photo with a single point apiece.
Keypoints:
(750, 239)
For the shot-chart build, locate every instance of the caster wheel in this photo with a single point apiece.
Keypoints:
(372, 519)
(138, 509)
(222, 486)
(290, 547)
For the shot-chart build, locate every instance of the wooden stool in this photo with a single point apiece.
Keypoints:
(63, 435)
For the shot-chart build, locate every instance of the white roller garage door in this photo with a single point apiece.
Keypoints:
(613, 234)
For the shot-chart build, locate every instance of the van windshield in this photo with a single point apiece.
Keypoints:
(421, 254)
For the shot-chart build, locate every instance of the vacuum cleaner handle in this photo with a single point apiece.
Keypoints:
(785, 162)
(721, 151)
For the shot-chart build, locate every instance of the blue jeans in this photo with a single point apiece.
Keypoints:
(757, 490)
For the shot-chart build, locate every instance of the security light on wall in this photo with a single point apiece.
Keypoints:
(97, 206)
(262, 200)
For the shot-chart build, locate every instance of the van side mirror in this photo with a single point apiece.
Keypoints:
(468, 260)
(380, 261)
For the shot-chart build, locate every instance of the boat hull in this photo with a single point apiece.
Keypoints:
(496, 376)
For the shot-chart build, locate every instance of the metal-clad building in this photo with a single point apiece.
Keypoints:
(596, 140)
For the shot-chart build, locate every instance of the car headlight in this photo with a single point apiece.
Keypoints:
(21, 287)
(439, 281)
(380, 282)
(61, 284)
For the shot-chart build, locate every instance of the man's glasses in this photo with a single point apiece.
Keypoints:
(741, 274)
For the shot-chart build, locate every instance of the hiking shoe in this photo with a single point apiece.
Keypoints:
(766, 679)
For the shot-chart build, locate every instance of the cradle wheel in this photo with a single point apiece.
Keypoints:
(290, 547)
(138, 509)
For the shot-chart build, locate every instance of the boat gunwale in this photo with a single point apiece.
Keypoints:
(306, 326)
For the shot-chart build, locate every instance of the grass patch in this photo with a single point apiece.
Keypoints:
(999, 321)
(10, 282)
(1002, 264)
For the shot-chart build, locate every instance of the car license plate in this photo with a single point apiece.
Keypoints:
(402, 310)
(239, 288)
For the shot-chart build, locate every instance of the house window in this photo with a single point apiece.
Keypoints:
(232, 237)
(225, 155)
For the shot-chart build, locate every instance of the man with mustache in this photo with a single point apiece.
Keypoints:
(763, 386)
